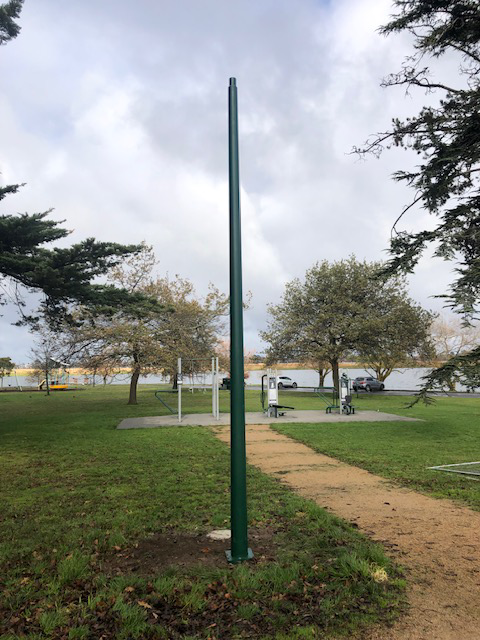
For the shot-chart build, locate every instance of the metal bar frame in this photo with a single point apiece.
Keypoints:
(215, 392)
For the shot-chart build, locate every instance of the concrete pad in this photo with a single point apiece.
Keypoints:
(258, 417)
(220, 534)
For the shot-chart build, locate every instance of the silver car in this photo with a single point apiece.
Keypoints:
(284, 382)
(367, 384)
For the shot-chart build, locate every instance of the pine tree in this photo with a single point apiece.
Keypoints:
(446, 137)
(9, 12)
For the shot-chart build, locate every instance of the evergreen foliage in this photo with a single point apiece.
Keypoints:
(64, 275)
(9, 12)
(446, 137)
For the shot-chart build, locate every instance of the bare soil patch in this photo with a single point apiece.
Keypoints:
(152, 555)
(436, 541)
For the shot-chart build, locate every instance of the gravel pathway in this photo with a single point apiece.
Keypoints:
(436, 541)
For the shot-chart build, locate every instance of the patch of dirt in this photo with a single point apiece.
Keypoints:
(152, 555)
(436, 541)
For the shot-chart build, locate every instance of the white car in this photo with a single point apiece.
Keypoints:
(284, 382)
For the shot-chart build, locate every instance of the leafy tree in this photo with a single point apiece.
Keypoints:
(404, 337)
(45, 356)
(150, 340)
(322, 367)
(191, 331)
(339, 309)
(222, 351)
(93, 361)
(446, 137)
(6, 367)
(9, 12)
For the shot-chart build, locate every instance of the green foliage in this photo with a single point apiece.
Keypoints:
(446, 137)
(179, 324)
(9, 12)
(6, 367)
(64, 275)
(403, 336)
(344, 308)
(464, 368)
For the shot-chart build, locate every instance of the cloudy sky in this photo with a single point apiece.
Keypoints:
(115, 114)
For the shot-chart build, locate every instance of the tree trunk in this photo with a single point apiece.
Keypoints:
(451, 385)
(46, 380)
(132, 399)
(336, 376)
(175, 381)
(383, 374)
(380, 372)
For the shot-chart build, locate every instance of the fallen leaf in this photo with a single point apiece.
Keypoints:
(144, 604)
(129, 589)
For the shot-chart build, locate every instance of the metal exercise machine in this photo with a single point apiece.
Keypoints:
(273, 409)
(346, 395)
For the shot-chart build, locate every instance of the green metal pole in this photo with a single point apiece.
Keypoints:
(239, 551)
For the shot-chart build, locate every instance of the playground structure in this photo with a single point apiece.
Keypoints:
(186, 382)
(59, 377)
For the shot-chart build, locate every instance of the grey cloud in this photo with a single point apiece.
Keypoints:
(115, 113)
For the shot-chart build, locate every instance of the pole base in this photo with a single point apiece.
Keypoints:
(237, 559)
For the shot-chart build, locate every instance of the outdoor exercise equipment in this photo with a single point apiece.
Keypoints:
(160, 393)
(346, 395)
(271, 407)
(342, 402)
(331, 400)
(180, 384)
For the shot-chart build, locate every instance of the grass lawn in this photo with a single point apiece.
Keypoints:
(89, 516)
(449, 433)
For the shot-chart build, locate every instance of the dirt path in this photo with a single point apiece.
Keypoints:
(435, 540)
